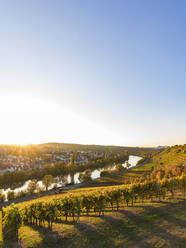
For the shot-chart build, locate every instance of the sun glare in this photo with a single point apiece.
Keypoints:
(22, 117)
(26, 119)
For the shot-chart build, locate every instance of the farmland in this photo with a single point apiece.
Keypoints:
(150, 213)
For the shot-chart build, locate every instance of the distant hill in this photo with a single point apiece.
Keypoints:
(160, 147)
(80, 147)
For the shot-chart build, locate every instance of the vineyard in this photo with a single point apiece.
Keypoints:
(163, 187)
(59, 209)
(165, 160)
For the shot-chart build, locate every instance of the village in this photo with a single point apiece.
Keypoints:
(13, 162)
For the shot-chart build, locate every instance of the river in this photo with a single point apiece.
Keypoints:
(133, 160)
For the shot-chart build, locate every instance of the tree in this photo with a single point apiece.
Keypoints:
(32, 186)
(85, 177)
(21, 193)
(72, 158)
(63, 180)
(39, 189)
(10, 195)
(106, 156)
(81, 177)
(119, 167)
(47, 181)
(2, 196)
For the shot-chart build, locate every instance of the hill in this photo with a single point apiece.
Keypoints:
(148, 213)
(95, 148)
(145, 225)
(168, 159)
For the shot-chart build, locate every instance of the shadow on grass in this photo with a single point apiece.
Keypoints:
(170, 211)
(48, 239)
(153, 218)
(125, 233)
(150, 228)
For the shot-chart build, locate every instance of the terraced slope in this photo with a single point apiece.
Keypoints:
(171, 156)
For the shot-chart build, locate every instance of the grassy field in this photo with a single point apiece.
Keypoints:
(148, 225)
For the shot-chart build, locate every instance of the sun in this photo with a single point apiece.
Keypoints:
(24, 118)
(28, 119)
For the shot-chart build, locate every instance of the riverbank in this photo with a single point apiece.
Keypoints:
(11, 180)
(91, 184)
(97, 182)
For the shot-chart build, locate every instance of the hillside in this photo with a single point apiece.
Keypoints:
(148, 213)
(169, 158)
(145, 225)
(99, 148)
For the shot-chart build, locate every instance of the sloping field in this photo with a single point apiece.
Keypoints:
(149, 225)
(169, 157)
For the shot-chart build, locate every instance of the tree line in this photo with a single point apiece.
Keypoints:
(18, 178)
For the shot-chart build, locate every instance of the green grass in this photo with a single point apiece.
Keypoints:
(30, 237)
(149, 225)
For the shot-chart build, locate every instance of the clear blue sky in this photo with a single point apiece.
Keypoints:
(113, 70)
